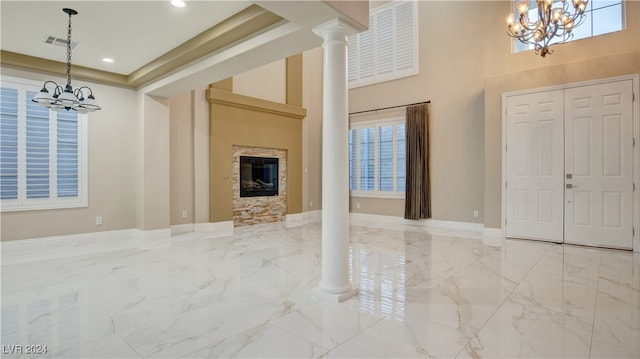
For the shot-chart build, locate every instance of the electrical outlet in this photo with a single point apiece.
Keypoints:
(310, 203)
(98, 221)
(475, 214)
(358, 205)
(184, 213)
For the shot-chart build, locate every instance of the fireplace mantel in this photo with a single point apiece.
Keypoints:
(223, 97)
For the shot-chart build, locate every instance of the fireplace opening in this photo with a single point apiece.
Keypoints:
(258, 176)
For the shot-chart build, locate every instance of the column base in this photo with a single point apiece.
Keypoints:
(323, 295)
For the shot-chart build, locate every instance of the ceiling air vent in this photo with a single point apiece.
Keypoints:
(58, 41)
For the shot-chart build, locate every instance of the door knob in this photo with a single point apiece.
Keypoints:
(569, 186)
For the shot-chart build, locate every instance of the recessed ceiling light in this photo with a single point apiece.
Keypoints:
(178, 3)
(107, 60)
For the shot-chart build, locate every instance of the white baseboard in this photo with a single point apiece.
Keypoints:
(377, 220)
(182, 228)
(215, 229)
(120, 233)
(312, 216)
(155, 233)
(44, 248)
(295, 220)
(493, 232)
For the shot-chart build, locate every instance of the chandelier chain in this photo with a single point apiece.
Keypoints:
(69, 53)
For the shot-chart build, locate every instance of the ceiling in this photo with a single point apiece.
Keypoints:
(161, 48)
(133, 33)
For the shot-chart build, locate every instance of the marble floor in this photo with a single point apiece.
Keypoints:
(423, 293)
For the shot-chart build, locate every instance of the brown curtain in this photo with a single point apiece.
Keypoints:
(417, 202)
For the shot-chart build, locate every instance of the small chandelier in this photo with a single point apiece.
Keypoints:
(67, 98)
(552, 23)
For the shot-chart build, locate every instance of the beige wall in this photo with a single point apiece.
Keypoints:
(182, 158)
(267, 82)
(112, 142)
(312, 129)
(451, 76)
(153, 172)
(189, 157)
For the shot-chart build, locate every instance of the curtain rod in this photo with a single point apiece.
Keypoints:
(390, 107)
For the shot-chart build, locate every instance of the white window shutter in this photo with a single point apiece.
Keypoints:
(42, 153)
(8, 144)
(37, 150)
(67, 154)
(388, 50)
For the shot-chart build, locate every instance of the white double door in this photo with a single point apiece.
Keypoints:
(569, 165)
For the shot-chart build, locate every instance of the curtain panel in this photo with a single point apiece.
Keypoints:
(417, 201)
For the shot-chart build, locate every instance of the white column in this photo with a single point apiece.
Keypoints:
(335, 284)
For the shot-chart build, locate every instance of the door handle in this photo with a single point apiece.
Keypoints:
(570, 186)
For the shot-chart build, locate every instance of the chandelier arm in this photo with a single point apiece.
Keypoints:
(527, 25)
(79, 94)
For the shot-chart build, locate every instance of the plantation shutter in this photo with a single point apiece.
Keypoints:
(353, 160)
(401, 148)
(8, 144)
(67, 154)
(367, 160)
(37, 150)
(388, 49)
(42, 152)
(385, 158)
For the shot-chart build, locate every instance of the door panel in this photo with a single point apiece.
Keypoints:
(598, 157)
(535, 153)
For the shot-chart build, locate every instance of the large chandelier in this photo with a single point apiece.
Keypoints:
(67, 98)
(552, 23)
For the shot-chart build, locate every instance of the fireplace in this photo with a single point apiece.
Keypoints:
(258, 176)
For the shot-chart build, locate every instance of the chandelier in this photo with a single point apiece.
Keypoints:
(552, 23)
(67, 98)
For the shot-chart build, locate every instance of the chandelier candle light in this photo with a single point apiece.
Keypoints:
(67, 98)
(552, 23)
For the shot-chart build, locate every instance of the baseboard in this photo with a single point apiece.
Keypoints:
(177, 229)
(44, 248)
(312, 216)
(119, 233)
(377, 220)
(215, 229)
(493, 232)
(294, 220)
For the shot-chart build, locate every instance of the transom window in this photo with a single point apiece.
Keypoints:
(377, 158)
(602, 17)
(42, 152)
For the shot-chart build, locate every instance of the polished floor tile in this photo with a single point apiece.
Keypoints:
(424, 293)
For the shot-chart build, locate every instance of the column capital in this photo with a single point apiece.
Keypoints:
(337, 26)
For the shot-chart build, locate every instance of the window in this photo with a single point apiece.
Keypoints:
(377, 159)
(42, 152)
(388, 50)
(602, 17)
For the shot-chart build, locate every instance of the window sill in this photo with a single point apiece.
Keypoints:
(377, 194)
(7, 208)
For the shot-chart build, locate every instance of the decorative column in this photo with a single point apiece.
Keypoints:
(335, 284)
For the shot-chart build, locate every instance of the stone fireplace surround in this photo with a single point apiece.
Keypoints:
(263, 209)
